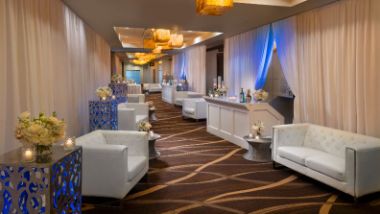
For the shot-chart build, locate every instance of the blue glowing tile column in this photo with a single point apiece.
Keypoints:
(103, 115)
(54, 187)
(120, 91)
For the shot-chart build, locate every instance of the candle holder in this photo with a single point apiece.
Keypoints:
(69, 144)
(28, 153)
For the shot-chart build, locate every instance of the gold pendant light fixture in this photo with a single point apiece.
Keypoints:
(176, 40)
(213, 7)
(161, 35)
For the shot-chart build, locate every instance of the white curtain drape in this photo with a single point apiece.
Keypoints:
(191, 63)
(244, 58)
(49, 61)
(330, 60)
(178, 65)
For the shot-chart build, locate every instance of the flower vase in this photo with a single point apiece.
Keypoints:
(44, 153)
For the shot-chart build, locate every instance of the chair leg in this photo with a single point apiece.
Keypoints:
(276, 165)
(144, 179)
(356, 200)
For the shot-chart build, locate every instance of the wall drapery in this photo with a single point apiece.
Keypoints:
(246, 59)
(330, 60)
(49, 61)
(191, 63)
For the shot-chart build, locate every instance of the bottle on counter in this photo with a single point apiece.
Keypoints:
(248, 96)
(242, 96)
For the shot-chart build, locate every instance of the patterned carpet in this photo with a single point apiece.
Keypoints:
(200, 173)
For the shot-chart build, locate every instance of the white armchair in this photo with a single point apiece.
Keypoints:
(179, 96)
(113, 162)
(131, 114)
(136, 98)
(343, 160)
(195, 108)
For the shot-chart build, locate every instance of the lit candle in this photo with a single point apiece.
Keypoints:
(250, 135)
(69, 144)
(104, 98)
(28, 155)
(113, 97)
(257, 137)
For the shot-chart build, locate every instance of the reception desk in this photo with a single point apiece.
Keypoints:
(231, 120)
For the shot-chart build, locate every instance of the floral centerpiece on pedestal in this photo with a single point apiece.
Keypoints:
(258, 128)
(117, 78)
(144, 126)
(150, 104)
(104, 92)
(260, 95)
(40, 132)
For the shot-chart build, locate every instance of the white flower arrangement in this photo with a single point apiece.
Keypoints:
(104, 92)
(117, 78)
(42, 130)
(150, 104)
(260, 95)
(258, 128)
(144, 126)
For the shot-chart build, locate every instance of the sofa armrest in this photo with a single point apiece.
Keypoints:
(126, 118)
(201, 107)
(364, 160)
(137, 142)
(288, 135)
(109, 160)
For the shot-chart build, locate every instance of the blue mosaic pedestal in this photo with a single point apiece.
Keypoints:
(54, 187)
(121, 100)
(120, 91)
(103, 115)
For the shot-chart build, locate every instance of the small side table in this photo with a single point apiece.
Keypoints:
(259, 149)
(153, 153)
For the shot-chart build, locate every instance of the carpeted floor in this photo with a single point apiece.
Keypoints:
(200, 173)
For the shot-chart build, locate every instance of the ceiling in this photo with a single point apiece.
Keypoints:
(104, 15)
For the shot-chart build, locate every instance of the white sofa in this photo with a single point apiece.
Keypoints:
(343, 160)
(131, 114)
(195, 108)
(152, 87)
(179, 96)
(113, 162)
(136, 98)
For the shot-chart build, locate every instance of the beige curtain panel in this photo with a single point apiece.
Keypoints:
(330, 60)
(49, 61)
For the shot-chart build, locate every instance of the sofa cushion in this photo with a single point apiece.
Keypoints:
(297, 154)
(135, 165)
(331, 140)
(189, 111)
(327, 164)
(95, 137)
(179, 101)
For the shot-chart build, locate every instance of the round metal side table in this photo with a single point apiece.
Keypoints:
(259, 149)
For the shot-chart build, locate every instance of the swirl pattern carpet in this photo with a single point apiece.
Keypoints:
(201, 173)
